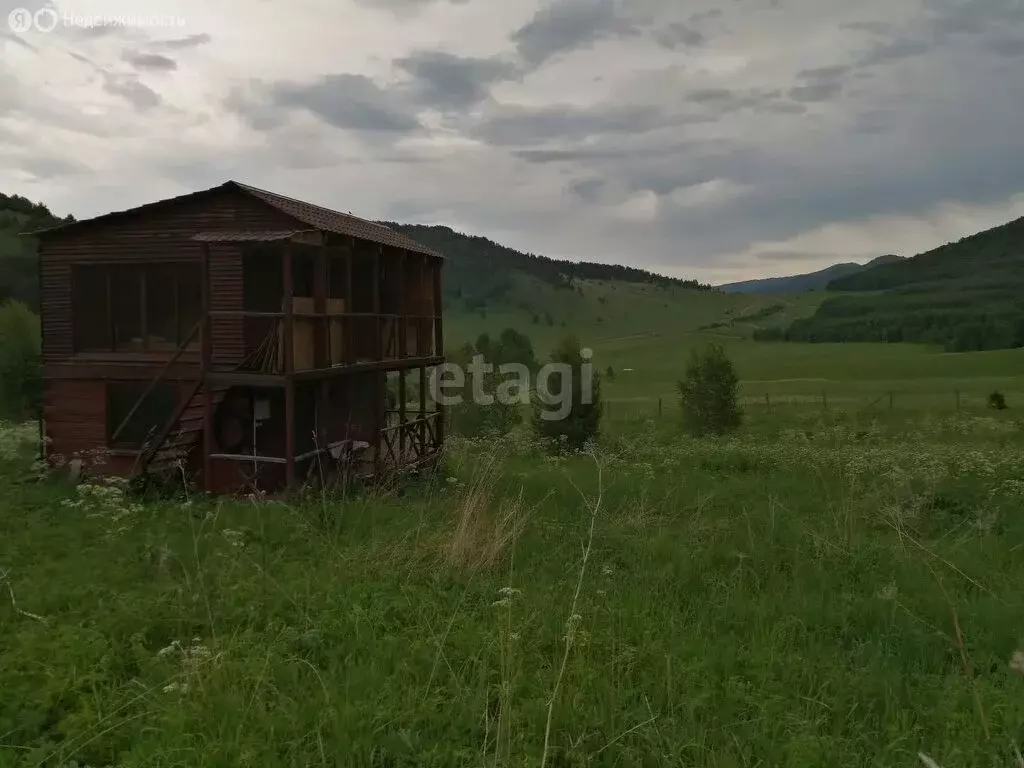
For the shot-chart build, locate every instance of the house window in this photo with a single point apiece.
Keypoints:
(134, 307)
(151, 416)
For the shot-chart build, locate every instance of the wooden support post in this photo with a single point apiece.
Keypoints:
(321, 353)
(439, 424)
(659, 407)
(349, 304)
(423, 412)
(402, 416)
(378, 352)
(767, 402)
(206, 356)
(438, 331)
(957, 394)
(380, 393)
(288, 324)
(403, 309)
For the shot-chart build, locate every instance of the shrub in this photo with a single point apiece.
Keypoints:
(708, 393)
(577, 390)
(21, 381)
(997, 401)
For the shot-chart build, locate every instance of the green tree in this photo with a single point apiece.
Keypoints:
(568, 413)
(708, 393)
(21, 382)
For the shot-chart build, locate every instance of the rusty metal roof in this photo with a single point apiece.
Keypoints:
(335, 221)
(313, 216)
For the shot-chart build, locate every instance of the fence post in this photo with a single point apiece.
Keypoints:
(891, 398)
(957, 393)
(767, 402)
(659, 407)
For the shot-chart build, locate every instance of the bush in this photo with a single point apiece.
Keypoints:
(581, 401)
(21, 381)
(708, 393)
(997, 401)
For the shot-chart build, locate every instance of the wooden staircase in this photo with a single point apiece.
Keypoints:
(182, 434)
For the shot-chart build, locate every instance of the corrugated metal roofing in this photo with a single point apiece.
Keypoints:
(318, 217)
(251, 235)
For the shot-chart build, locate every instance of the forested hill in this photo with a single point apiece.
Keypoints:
(18, 273)
(479, 272)
(966, 295)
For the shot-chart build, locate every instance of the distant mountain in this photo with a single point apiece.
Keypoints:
(967, 295)
(812, 281)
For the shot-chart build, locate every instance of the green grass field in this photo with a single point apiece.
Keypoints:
(820, 589)
(839, 583)
(653, 330)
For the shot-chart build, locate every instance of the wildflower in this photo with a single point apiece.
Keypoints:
(1017, 662)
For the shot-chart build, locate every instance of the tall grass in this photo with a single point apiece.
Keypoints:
(820, 591)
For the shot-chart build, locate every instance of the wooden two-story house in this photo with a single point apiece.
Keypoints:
(243, 339)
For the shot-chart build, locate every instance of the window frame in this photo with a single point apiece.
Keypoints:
(141, 271)
(137, 388)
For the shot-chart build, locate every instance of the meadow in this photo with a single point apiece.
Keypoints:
(646, 333)
(822, 588)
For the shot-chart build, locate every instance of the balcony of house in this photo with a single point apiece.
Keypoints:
(308, 311)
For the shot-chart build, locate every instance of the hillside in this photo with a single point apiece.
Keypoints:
(810, 281)
(481, 273)
(18, 273)
(967, 295)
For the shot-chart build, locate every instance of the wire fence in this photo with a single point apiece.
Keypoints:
(951, 401)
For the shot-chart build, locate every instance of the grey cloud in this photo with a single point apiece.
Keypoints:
(566, 25)
(447, 81)
(872, 27)
(815, 92)
(351, 102)
(138, 94)
(772, 256)
(896, 50)
(587, 189)
(1008, 46)
(677, 35)
(150, 61)
(403, 7)
(181, 43)
(512, 126)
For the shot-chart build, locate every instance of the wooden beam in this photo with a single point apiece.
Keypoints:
(321, 356)
(288, 322)
(403, 319)
(206, 357)
(248, 458)
(438, 330)
(423, 411)
(349, 353)
(378, 352)
(401, 414)
(289, 364)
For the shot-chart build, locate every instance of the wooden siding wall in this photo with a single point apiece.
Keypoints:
(226, 295)
(75, 419)
(151, 236)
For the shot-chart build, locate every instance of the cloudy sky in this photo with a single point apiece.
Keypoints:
(716, 139)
